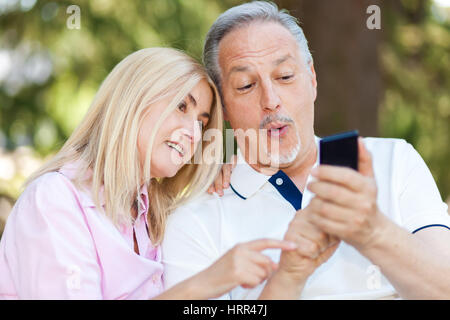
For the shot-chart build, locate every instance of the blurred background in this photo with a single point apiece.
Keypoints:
(387, 82)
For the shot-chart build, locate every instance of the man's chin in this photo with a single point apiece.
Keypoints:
(281, 163)
(284, 159)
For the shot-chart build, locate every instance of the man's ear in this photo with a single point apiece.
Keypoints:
(313, 79)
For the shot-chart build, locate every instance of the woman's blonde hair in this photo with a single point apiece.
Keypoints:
(106, 139)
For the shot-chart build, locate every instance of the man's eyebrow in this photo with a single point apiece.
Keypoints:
(239, 69)
(276, 63)
(282, 59)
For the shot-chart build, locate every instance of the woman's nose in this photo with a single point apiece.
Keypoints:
(198, 131)
(192, 131)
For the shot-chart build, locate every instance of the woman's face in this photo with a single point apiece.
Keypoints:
(179, 134)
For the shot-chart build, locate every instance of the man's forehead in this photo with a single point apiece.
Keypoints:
(242, 66)
(271, 43)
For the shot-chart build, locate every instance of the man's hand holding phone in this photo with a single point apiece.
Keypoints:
(343, 208)
(345, 201)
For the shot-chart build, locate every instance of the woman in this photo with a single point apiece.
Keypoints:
(89, 223)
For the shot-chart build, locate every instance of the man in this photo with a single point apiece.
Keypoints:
(381, 232)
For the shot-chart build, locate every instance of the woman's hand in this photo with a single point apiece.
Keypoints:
(223, 178)
(242, 265)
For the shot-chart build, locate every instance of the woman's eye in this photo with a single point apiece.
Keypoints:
(182, 106)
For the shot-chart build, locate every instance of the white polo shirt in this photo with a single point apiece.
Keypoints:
(259, 206)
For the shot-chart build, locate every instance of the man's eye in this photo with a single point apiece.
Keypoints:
(287, 77)
(245, 87)
(182, 106)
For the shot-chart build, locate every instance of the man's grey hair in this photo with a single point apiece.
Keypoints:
(242, 15)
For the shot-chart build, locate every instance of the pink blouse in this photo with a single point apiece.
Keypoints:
(57, 245)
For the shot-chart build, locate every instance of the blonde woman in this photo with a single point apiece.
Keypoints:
(89, 223)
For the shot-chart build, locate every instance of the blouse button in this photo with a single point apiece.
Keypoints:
(279, 181)
(155, 278)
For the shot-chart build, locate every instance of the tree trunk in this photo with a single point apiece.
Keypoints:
(345, 58)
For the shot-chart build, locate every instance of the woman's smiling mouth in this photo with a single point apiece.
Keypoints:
(176, 147)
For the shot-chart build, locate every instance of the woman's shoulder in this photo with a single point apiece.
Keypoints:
(51, 202)
(52, 183)
(50, 190)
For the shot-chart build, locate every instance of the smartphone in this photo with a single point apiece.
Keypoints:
(340, 149)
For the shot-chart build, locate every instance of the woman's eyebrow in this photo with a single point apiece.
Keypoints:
(205, 115)
(193, 101)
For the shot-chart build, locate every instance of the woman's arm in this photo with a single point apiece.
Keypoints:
(242, 265)
(47, 244)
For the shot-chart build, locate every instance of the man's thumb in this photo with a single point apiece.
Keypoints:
(364, 159)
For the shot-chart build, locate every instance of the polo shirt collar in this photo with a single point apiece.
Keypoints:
(246, 181)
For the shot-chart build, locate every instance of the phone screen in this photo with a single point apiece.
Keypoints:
(340, 149)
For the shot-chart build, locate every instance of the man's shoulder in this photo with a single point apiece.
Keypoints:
(205, 206)
(388, 150)
(384, 144)
(200, 218)
(395, 160)
(199, 203)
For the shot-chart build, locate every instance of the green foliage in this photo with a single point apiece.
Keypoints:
(55, 71)
(416, 64)
(44, 113)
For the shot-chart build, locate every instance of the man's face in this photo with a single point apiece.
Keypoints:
(267, 84)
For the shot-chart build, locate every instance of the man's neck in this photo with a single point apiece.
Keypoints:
(298, 170)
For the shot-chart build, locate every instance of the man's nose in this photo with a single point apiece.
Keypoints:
(270, 100)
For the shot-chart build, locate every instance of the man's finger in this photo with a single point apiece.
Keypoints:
(226, 175)
(328, 252)
(340, 175)
(233, 161)
(333, 226)
(218, 184)
(301, 226)
(308, 248)
(332, 192)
